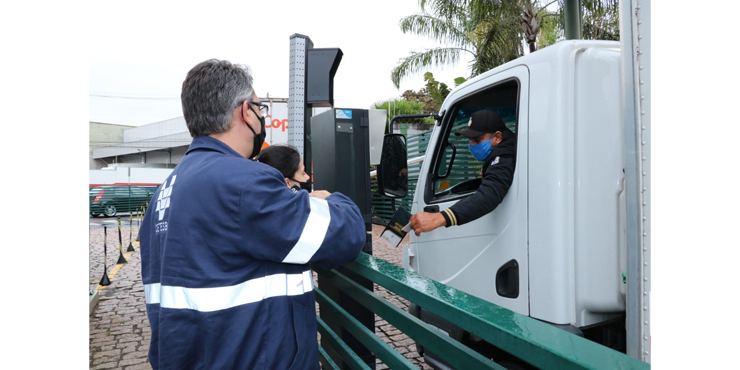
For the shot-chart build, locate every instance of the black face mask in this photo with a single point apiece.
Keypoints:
(296, 187)
(258, 139)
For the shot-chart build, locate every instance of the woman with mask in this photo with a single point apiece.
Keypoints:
(287, 160)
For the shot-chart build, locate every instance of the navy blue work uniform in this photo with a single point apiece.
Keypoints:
(225, 247)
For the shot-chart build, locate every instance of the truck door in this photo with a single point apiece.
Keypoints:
(486, 257)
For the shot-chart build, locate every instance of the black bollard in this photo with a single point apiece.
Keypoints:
(121, 259)
(130, 233)
(138, 223)
(105, 281)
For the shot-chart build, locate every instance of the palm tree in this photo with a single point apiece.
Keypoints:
(489, 33)
(531, 17)
(491, 30)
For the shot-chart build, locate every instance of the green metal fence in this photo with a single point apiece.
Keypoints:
(535, 342)
(112, 200)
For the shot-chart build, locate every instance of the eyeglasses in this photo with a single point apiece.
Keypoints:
(263, 109)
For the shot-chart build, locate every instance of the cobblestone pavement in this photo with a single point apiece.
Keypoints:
(119, 328)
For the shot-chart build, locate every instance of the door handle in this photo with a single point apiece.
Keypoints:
(431, 209)
(507, 280)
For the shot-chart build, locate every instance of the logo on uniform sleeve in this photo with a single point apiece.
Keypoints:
(163, 201)
(495, 160)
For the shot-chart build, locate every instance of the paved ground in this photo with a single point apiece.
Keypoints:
(119, 329)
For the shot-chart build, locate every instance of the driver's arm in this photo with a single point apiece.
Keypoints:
(494, 186)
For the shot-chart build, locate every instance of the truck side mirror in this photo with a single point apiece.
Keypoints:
(393, 170)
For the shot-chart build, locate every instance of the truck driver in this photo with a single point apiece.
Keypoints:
(495, 145)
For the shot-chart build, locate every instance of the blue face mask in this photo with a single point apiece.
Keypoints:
(481, 151)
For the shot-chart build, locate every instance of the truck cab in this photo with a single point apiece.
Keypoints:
(555, 248)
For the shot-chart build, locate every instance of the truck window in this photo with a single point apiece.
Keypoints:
(456, 177)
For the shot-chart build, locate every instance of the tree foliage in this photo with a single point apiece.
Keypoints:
(395, 107)
(423, 96)
(551, 30)
(494, 31)
(600, 19)
(432, 95)
(490, 36)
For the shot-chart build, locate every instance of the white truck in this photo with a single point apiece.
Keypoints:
(569, 244)
(276, 122)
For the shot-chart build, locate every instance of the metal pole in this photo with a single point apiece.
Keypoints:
(634, 24)
(298, 111)
(573, 19)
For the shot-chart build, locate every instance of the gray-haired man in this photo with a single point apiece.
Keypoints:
(225, 246)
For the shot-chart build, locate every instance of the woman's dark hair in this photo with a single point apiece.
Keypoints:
(283, 158)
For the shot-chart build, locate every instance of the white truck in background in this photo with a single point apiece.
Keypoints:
(276, 122)
(570, 243)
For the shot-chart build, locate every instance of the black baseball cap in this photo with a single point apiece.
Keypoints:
(481, 122)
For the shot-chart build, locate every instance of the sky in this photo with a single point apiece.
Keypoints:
(139, 58)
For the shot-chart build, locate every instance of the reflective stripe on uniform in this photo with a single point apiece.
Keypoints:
(221, 298)
(313, 233)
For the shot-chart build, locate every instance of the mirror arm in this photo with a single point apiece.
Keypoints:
(439, 116)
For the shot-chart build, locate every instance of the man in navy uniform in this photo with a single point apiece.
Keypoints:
(225, 245)
(495, 145)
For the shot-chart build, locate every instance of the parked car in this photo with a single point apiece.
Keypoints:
(113, 199)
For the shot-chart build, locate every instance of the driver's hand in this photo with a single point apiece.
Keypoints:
(424, 222)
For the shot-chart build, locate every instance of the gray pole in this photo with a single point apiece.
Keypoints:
(298, 110)
(572, 9)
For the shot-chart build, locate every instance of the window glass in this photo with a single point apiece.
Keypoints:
(456, 165)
